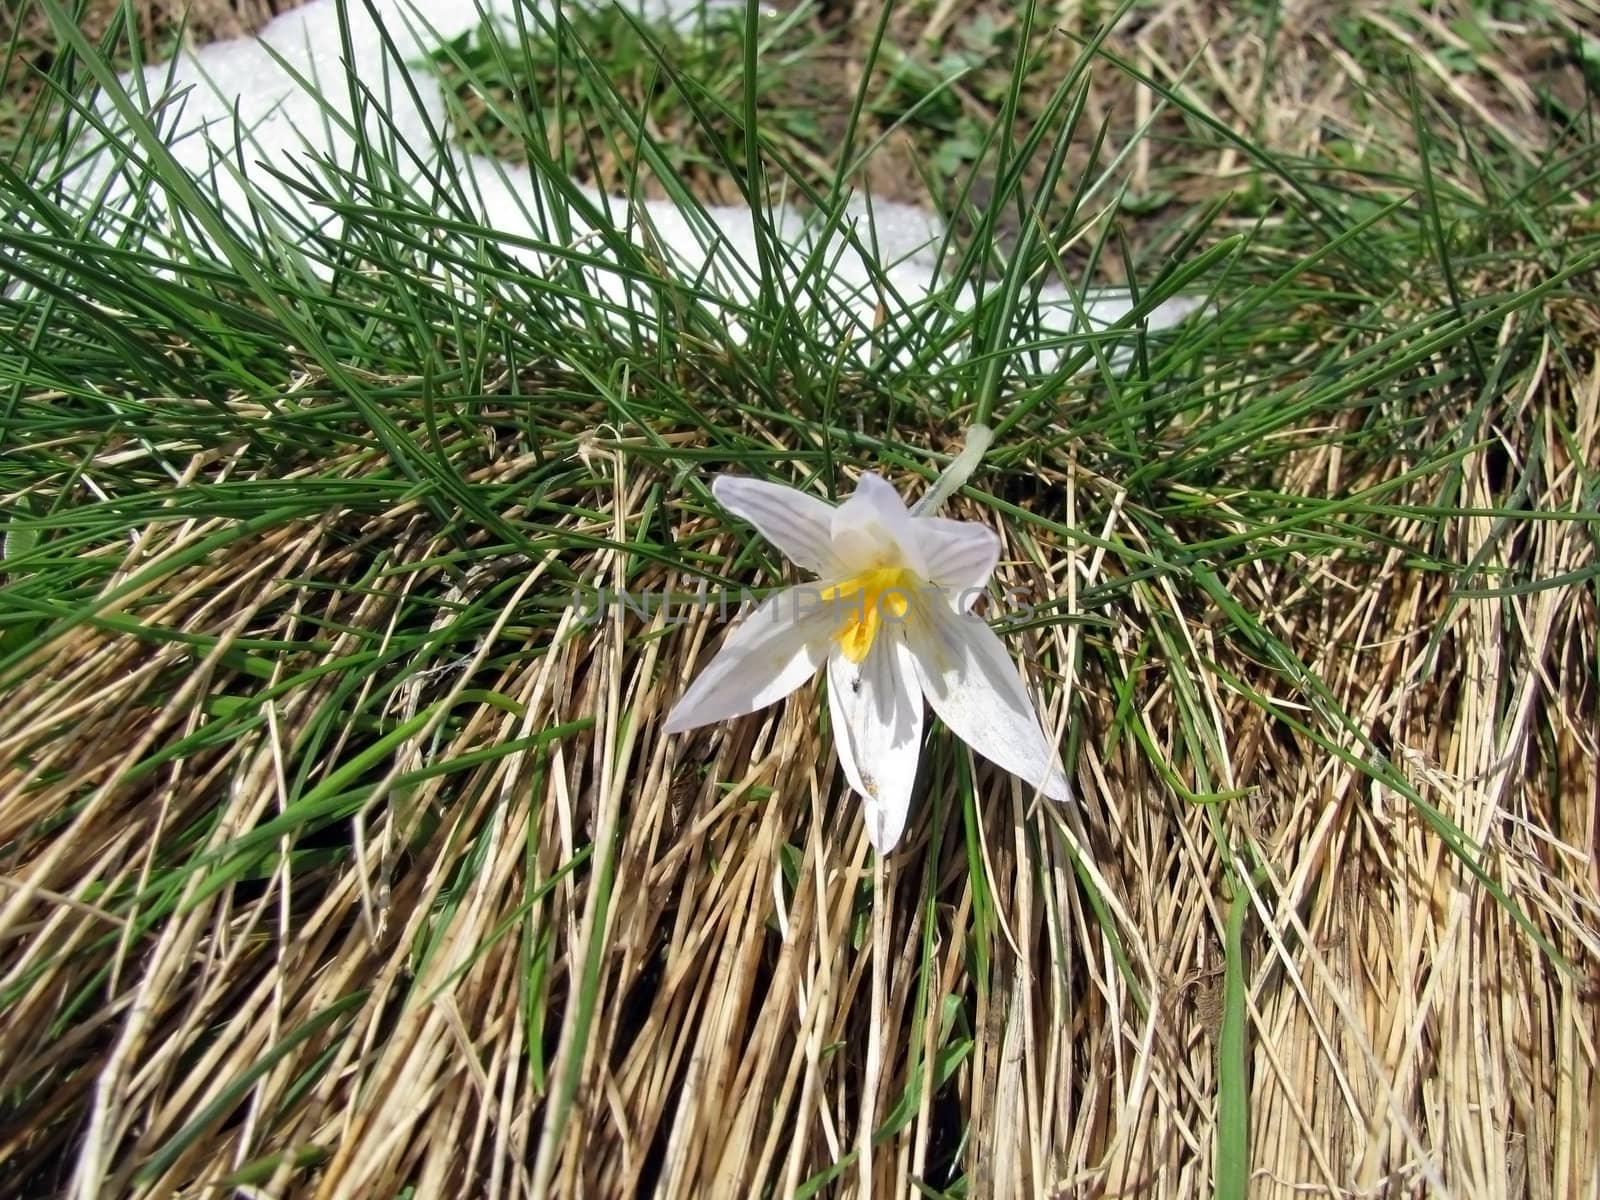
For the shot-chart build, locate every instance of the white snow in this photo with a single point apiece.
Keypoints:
(285, 97)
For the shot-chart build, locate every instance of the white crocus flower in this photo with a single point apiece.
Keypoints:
(889, 617)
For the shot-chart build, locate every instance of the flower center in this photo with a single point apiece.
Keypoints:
(864, 601)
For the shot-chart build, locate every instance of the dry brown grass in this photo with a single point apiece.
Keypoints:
(1405, 1035)
(1321, 84)
(587, 968)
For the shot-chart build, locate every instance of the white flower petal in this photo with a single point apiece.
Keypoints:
(877, 726)
(796, 522)
(959, 556)
(975, 688)
(776, 649)
(872, 529)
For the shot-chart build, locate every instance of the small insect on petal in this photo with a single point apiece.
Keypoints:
(877, 722)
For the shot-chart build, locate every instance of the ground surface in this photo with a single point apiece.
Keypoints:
(340, 858)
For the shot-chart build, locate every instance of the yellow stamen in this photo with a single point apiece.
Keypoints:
(864, 600)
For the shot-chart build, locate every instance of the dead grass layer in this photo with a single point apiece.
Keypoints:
(403, 1009)
(1336, 90)
(609, 963)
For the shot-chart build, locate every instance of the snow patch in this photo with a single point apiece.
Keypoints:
(234, 111)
